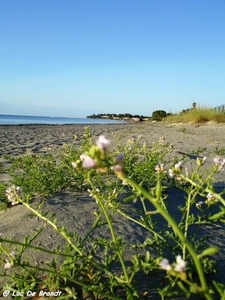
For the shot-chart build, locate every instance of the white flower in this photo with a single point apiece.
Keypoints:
(178, 166)
(216, 160)
(102, 142)
(199, 204)
(161, 139)
(165, 265)
(171, 173)
(200, 161)
(159, 168)
(13, 194)
(117, 168)
(180, 264)
(8, 265)
(74, 165)
(210, 197)
(19, 190)
(13, 254)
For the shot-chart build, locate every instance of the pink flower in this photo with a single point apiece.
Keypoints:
(219, 163)
(87, 161)
(165, 265)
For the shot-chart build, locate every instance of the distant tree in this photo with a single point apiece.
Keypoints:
(158, 115)
(127, 115)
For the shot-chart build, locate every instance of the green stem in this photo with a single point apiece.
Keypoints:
(35, 248)
(138, 222)
(68, 278)
(113, 234)
(217, 196)
(57, 228)
(176, 229)
(186, 223)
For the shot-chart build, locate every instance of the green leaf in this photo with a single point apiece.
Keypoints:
(209, 252)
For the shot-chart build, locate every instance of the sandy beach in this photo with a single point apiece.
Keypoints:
(74, 210)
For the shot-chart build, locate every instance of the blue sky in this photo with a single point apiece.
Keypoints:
(77, 57)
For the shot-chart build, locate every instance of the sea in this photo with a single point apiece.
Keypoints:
(20, 119)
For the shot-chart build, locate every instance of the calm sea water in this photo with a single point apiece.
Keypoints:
(17, 119)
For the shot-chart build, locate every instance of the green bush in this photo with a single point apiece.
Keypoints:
(158, 115)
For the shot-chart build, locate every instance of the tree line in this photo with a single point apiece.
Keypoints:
(125, 116)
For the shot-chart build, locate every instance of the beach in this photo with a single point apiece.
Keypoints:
(41, 139)
(75, 210)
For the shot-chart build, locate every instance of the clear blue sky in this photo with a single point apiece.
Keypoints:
(77, 57)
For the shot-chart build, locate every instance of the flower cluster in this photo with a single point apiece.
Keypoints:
(175, 171)
(179, 266)
(210, 199)
(219, 163)
(200, 161)
(13, 194)
(94, 193)
(97, 158)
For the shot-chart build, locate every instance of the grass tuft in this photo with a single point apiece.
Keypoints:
(198, 116)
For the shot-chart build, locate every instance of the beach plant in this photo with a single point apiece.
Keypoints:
(171, 261)
(198, 115)
(47, 174)
(3, 198)
(185, 130)
(219, 151)
(141, 159)
(40, 174)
